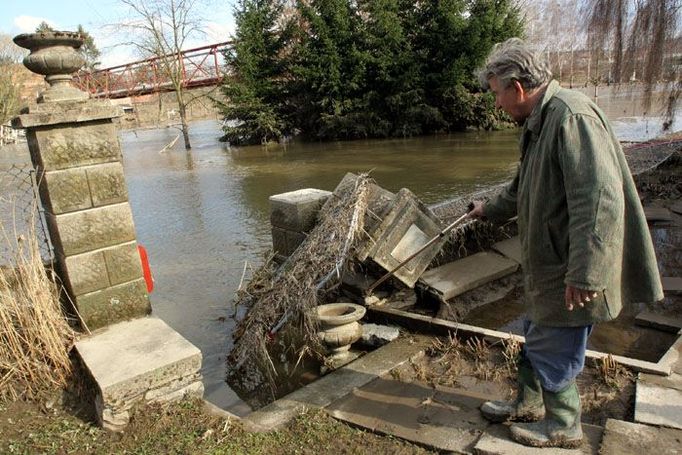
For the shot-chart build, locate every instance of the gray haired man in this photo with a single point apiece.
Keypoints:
(585, 242)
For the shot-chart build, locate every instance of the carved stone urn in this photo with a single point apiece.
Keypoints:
(339, 328)
(55, 56)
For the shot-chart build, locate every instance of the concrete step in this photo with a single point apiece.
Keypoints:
(455, 278)
(658, 322)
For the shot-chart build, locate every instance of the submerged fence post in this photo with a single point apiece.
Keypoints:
(75, 149)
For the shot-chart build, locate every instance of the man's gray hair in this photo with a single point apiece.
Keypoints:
(514, 60)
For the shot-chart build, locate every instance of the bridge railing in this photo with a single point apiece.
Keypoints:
(201, 66)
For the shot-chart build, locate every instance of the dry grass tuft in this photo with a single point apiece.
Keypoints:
(610, 372)
(511, 349)
(34, 336)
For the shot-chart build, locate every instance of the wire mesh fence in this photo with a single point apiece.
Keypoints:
(21, 213)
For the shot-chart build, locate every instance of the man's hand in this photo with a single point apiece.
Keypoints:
(477, 210)
(575, 297)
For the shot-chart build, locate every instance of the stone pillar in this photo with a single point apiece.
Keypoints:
(74, 147)
(292, 216)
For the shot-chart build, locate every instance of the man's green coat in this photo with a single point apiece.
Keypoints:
(580, 219)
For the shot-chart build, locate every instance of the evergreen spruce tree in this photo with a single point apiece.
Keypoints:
(331, 72)
(255, 91)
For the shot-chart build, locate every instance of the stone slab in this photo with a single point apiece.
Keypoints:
(673, 381)
(658, 322)
(133, 357)
(444, 419)
(114, 304)
(510, 248)
(656, 405)
(297, 210)
(657, 214)
(457, 277)
(671, 283)
(497, 441)
(628, 438)
(337, 384)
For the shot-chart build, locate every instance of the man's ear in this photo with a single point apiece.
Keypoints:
(518, 88)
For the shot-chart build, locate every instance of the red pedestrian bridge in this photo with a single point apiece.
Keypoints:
(199, 67)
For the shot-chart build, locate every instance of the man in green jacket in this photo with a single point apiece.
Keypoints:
(586, 245)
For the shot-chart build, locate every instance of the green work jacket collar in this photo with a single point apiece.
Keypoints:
(534, 121)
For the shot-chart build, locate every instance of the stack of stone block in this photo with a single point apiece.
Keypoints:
(138, 361)
(292, 216)
(75, 149)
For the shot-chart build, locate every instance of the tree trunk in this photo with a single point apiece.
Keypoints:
(185, 128)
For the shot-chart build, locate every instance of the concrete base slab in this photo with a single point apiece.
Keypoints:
(497, 441)
(443, 419)
(139, 360)
(460, 276)
(671, 283)
(375, 335)
(337, 384)
(658, 322)
(510, 248)
(627, 438)
(658, 405)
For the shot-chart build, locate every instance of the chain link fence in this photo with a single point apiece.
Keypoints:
(21, 213)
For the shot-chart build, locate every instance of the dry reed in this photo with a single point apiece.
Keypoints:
(34, 336)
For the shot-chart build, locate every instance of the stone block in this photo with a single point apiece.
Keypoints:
(107, 184)
(297, 210)
(279, 241)
(457, 277)
(139, 360)
(123, 263)
(114, 304)
(72, 145)
(86, 272)
(91, 229)
(510, 248)
(294, 240)
(65, 191)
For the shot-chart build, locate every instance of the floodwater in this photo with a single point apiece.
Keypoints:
(203, 215)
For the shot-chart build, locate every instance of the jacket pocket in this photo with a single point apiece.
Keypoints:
(552, 245)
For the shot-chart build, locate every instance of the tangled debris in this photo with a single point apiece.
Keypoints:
(286, 297)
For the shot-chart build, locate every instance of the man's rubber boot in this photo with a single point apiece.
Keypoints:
(561, 426)
(527, 406)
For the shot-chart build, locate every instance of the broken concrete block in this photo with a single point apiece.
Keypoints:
(457, 277)
(139, 360)
(375, 335)
(297, 210)
(657, 214)
(671, 283)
